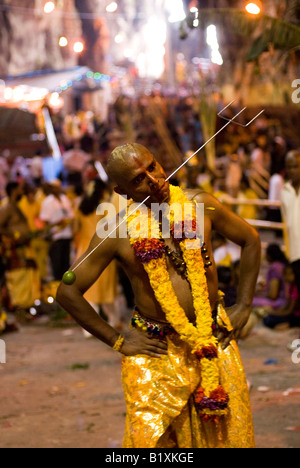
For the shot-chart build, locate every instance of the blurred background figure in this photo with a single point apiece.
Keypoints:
(225, 253)
(289, 314)
(233, 176)
(274, 294)
(30, 206)
(57, 214)
(290, 204)
(103, 293)
(273, 297)
(245, 192)
(20, 269)
(227, 286)
(4, 173)
(75, 161)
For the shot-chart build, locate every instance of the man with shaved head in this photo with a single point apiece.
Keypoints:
(290, 204)
(124, 168)
(182, 374)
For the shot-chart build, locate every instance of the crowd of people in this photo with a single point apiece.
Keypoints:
(43, 229)
(45, 225)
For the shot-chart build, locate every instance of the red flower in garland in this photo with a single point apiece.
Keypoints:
(184, 230)
(149, 249)
(210, 417)
(218, 400)
(199, 394)
(208, 352)
(219, 395)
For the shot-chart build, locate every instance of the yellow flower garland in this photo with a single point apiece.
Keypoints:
(200, 336)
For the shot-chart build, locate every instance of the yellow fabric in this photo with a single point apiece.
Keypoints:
(23, 287)
(40, 250)
(39, 247)
(160, 406)
(104, 291)
(226, 261)
(247, 211)
(31, 212)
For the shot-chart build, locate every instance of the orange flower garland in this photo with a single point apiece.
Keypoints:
(210, 399)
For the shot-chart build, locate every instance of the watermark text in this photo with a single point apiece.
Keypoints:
(296, 352)
(296, 93)
(2, 352)
(109, 226)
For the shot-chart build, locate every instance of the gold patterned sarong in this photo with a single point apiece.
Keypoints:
(160, 405)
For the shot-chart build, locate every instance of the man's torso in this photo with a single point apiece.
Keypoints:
(144, 296)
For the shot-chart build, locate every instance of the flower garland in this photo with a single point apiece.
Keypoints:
(211, 399)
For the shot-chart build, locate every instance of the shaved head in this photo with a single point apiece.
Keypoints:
(138, 174)
(121, 157)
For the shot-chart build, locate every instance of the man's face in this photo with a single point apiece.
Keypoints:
(142, 176)
(292, 166)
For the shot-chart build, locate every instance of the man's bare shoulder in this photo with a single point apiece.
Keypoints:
(200, 196)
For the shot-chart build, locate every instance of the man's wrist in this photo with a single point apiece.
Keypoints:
(119, 343)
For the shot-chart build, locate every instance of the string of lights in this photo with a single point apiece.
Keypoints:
(97, 77)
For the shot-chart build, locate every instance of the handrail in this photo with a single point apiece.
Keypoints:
(265, 224)
(245, 201)
(256, 202)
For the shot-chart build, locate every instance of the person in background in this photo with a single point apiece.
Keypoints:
(226, 285)
(104, 291)
(57, 213)
(30, 206)
(220, 192)
(290, 207)
(4, 171)
(225, 252)
(233, 175)
(245, 192)
(18, 262)
(274, 296)
(289, 314)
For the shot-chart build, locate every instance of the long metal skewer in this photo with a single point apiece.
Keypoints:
(175, 172)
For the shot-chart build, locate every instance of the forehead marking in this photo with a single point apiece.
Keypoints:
(138, 162)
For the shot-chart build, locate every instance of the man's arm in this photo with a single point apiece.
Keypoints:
(71, 298)
(241, 233)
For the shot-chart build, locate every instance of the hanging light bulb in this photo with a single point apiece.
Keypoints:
(119, 38)
(254, 8)
(176, 10)
(78, 47)
(49, 7)
(112, 7)
(63, 41)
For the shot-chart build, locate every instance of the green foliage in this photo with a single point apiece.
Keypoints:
(263, 30)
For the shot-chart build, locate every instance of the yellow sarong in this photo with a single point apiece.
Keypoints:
(160, 405)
